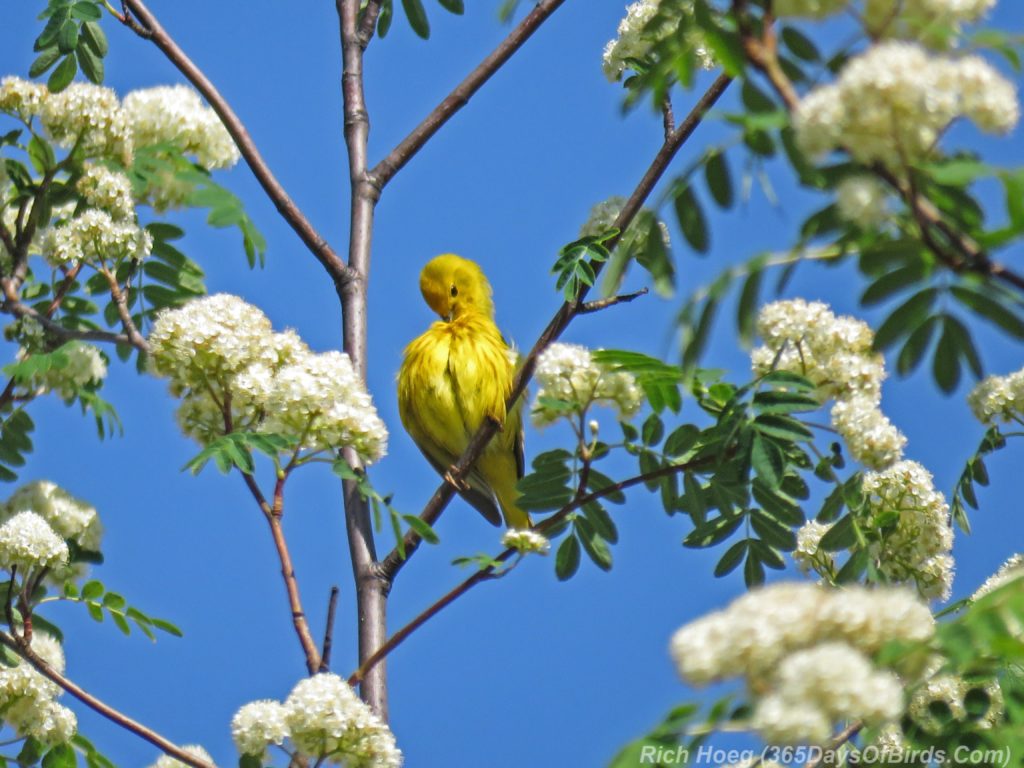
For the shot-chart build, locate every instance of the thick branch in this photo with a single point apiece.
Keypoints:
(490, 572)
(393, 563)
(154, 738)
(464, 91)
(285, 205)
(371, 590)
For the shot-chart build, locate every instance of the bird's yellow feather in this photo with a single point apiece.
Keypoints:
(455, 375)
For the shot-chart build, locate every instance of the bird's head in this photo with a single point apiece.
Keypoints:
(454, 286)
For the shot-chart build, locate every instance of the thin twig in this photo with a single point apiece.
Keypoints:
(489, 572)
(291, 213)
(325, 655)
(13, 306)
(385, 170)
(838, 740)
(596, 306)
(125, 315)
(395, 560)
(115, 716)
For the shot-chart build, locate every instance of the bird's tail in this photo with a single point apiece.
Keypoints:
(515, 516)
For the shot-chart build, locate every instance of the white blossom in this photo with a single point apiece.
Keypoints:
(84, 366)
(928, 21)
(166, 761)
(27, 699)
(96, 238)
(22, 98)
(872, 439)
(862, 200)
(28, 542)
(637, 35)
(176, 115)
(892, 103)
(257, 725)
(326, 719)
(998, 398)
(322, 398)
(525, 541)
(917, 537)
(89, 117)
(807, 554)
(568, 373)
(1009, 571)
(70, 517)
(108, 190)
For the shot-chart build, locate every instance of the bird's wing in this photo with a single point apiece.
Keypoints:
(482, 501)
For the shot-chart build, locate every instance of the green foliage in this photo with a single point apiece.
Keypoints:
(578, 263)
(100, 603)
(15, 443)
(72, 39)
(975, 473)
(660, 382)
(415, 14)
(235, 451)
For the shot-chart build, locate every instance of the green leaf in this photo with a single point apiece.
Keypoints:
(86, 11)
(453, 6)
(908, 315)
(567, 559)
(946, 364)
(681, 440)
(41, 154)
(892, 282)
(991, 309)
(773, 532)
(842, 535)
(417, 17)
(916, 346)
(800, 45)
(67, 37)
(653, 430)
(91, 64)
(63, 75)
(731, 559)
(780, 402)
(593, 544)
(601, 522)
(746, 309)
(782, 427)
(753, 570)
(724, 45)
(95, 38)
(384, 19)
(713, 531)
(719, 180)
(691, 219)
(767, 460)
(422, 528)
(91, 590)
(44, 61)
(957, 172)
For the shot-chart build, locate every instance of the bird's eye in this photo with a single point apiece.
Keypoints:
(455, 291)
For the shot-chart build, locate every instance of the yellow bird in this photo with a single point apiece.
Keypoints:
(453, 377)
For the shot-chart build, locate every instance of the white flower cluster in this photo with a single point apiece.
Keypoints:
(808, 556)
(861, 200)
(916, 534)
(892, 103)
(96, 238)
(819, 686)
(998, 398)
(166, 761)
(835, 354)
(22, 98)
(221, 354)
(73, 519)
(1009, 571)
(637, 35)
(568, 373)
(85, 367)
(176, 115)
(323, 718)
(525, 541)
(27, 542)
(28, 700)
(108, 190)
(91, 118)
(804, 651)
(951, 691)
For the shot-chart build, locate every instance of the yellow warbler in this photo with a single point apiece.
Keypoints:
(453, 377)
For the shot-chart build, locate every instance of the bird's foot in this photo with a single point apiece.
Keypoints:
(455, 482)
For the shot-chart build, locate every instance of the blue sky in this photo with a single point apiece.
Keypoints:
(523, 671)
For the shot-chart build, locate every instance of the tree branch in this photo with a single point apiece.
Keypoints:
(21, 648)
(490, 572)
(273, 515)
(13, 306)
(394, 562)
(325, 655)
(121, 302)
(371, 590)
(588, 307)
(385, 170)
(291, 213)
(837, 741)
